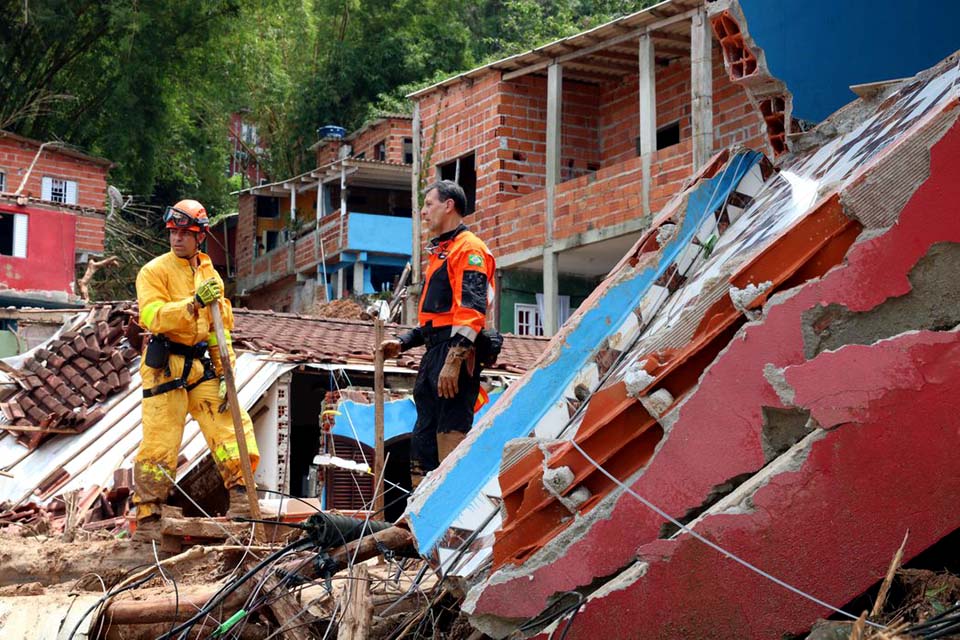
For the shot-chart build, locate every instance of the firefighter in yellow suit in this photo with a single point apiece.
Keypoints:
(181, 368)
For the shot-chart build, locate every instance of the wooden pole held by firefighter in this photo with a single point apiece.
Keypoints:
(234, 403)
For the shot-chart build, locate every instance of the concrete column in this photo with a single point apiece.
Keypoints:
(701, 88)
(554, 120)
(320, 255)
(293, 211)
(340, 282)
(648, 113)
(358, 276)
(410, 307)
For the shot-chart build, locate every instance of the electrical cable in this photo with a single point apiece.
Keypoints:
(663, 514)
(107, 596)
(176, 591)
(230, 587)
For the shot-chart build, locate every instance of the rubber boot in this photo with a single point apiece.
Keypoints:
(239, 503)
(148, 530)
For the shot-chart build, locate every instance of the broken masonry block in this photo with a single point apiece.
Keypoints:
(67, 352)
(636, 378)
(56, 362)
(116, 359)
(657, 403)
(79, 344)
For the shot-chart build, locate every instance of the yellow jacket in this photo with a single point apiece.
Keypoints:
(166, 287)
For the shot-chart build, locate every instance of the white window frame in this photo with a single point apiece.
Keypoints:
(3, 180)
(20, 222)
(59, 190)
(527, 320)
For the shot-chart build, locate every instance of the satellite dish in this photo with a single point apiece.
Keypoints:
(116, 198)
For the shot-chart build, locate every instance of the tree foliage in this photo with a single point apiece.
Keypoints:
(151, 85)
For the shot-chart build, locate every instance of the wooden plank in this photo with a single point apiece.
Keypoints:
(701, 89)
(234, 403)
(357, 606)
(203, 528)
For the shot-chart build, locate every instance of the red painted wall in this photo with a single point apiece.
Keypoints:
(49, 264)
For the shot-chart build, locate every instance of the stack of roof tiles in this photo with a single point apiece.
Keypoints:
(63, 382)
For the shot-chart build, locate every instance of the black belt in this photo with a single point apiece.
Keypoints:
(432, 337)
(189, 353)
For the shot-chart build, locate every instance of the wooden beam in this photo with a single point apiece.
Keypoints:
(378, 394)
(648, 113)
(624, 37)
(357, 606)
(671, 37)
(701, 89)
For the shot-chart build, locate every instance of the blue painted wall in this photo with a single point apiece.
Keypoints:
(821, 47)
(379, 234)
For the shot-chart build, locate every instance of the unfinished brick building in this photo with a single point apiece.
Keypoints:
(357, 200)
(51, 216)
(567, 151)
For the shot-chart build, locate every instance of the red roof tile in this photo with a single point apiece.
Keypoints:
(344, 341)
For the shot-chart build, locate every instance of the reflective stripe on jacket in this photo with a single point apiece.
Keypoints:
(458, 285)
(166, 287)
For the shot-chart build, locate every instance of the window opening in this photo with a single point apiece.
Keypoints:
(463, 172)
(527, 320)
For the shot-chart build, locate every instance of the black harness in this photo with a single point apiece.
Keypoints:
(189, 353)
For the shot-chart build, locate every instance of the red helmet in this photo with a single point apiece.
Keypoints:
(187, 214)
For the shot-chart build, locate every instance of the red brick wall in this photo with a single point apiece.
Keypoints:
(89, 231)
(277, 297)
(735, 120)
(91, 178)
(246, 226)
(522, 131)
(392, 131)
(505, 124)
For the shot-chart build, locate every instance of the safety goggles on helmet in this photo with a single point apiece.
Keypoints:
(178, 218)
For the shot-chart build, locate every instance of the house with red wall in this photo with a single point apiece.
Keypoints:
(52, 217)
(344, 228)
(567, 151)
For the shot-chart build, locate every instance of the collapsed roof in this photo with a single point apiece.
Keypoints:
(782, 336)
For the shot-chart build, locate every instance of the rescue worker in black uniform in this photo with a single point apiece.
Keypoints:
(457, 292)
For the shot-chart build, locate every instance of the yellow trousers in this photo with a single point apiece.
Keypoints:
(164, 417)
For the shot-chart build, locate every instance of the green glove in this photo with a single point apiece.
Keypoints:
(222, 393)
(208, 291)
